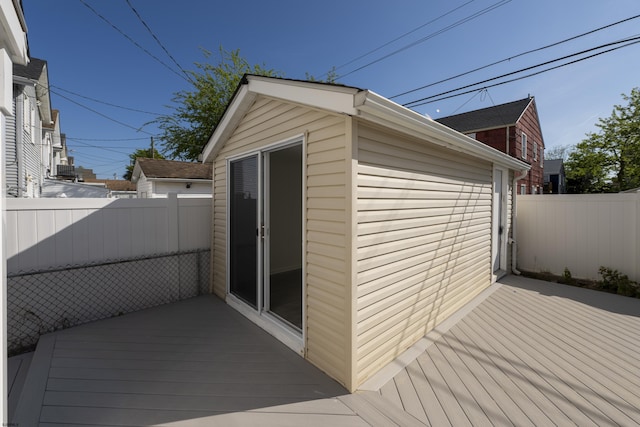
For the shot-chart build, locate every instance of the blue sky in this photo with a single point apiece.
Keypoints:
(88, 57)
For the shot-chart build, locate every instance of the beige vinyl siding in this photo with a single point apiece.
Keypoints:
(271, 121)
(423, 241)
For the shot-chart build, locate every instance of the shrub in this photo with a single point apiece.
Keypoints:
(614, 281)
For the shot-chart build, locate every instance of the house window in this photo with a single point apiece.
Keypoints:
(533, 189)
(535, 151)
(541, 156)
(523, 141)
(523, 189)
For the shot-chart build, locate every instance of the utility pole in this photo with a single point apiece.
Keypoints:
(153, 149)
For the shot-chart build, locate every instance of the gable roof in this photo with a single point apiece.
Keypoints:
(171, 169)
(114, 184)
(553, 167)
(361, 103)
(32, 71)
(36, 72)
(487, 118)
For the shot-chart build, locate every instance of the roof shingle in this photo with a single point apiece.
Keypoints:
(487, 118)
(157, 168)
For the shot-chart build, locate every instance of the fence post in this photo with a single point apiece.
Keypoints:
(637, 278)
(173, 222)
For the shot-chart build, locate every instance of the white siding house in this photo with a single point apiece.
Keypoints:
(29, 151)
(158, 178)
(400, 220)
(13, 50)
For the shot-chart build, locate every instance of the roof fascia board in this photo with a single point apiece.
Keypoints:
(239, 106)
(136, 172)
(374, 106)
(337, 99)
(524, 110)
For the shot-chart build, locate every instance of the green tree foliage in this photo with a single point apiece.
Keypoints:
(609, 160)
(142, 152)
(197, 111)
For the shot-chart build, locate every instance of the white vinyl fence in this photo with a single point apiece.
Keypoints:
(49, 233)
(579, 232)
(71, 261)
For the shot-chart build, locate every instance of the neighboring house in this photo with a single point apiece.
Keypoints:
(30, 132)
(513, 128)
(14, 49)
(118, 188)
(349, 226)
(555, 181)
(157, 178)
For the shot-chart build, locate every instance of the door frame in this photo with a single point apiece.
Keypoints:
(283, 332)
(499, 212)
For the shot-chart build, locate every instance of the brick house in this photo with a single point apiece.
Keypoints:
(513, 128)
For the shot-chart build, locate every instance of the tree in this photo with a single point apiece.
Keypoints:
(557, 152)
(197, 111)
(142, 152)
(609, 160)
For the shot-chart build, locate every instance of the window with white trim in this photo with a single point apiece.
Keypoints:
(535, 151)
(523, 142)
(523, 189)
(541, 156)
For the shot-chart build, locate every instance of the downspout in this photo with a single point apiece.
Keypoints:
(514, 244)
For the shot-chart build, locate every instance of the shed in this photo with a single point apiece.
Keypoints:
(349, 226)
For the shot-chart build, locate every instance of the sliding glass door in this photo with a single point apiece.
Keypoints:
(265, 225)
(243, 225)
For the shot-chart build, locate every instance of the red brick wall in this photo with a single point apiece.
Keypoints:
(529, 125)
(495, 138)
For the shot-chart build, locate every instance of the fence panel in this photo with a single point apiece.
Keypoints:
(71, 261)
(50, 233)
(580, 233)
(47, 300)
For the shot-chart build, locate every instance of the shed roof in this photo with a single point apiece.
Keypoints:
(362, 103)
(171, 169)
(486, 118)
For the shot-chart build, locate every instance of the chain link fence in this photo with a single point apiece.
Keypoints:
(39, 302)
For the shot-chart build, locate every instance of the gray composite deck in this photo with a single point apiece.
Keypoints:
(529, 353)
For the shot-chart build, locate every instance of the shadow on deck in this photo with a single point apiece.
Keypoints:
(524, 352)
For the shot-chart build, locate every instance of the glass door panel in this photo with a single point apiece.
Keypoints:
(283, 255)
(243, 229)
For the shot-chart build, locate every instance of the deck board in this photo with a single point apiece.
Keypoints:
(528, 353)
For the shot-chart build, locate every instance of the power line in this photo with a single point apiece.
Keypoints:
(157, 40)
(104, 102)
(430, 99)
(108, 139)
(133, 41)
(99, 113)
(432, 35)
(101, 148)
(518, 55)
(403, 35)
